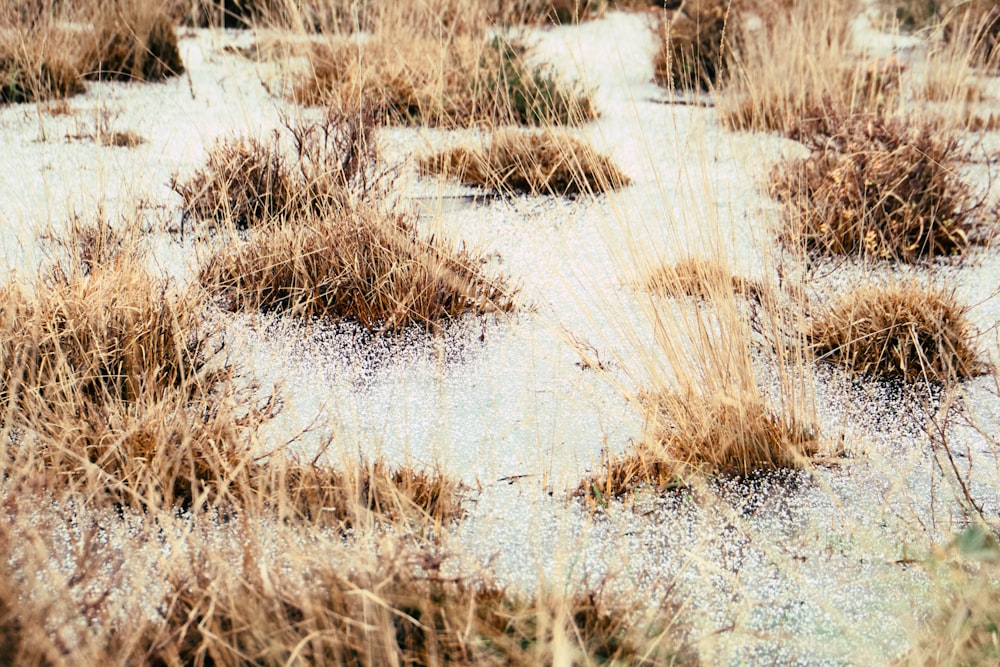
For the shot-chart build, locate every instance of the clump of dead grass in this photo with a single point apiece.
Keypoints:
(324, 242)
(460, 81)
(547, 162)
(114, 381)
(901, 331)
(133, 40)
(698, 40)
(320, 494)
(365, 264)
(976, 23)
(880, 188)
(690, 435)
(554, 11)
(38, 56)
(248, 181)
(402, 611)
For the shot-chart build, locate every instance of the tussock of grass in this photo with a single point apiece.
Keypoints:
(697, 45)
(115, 383)
(38, 57)
(133, 40)
(460, 81)
(117, 386)
(247, 181)
(319, 246)
(697, 277)
(903, 331)
(691, 435)
(364, 264)
(316, 493)
(391, 614)
(547, 162)
(880, 188)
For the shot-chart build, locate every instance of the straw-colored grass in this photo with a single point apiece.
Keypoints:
(391, 614)
(976, 23)
(879, 188)
(816, 75)
(249, 181)
(459, 81)
(133, 40)
(697, 46)
(365, 264)
(901, 331)
(689, 436)
(38, 55)
(546, 162)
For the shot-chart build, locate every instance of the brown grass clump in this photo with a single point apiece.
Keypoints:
(364, 264)
(400, 612)
(320, 246)
(247, 181)
(38, 58)
(903, 331)
(133, 40)
(317, 493)
(698, 40)
(115, 383)
(880, 188)
(691, 435)
(696, 277)
(547, 162)
(460, 81)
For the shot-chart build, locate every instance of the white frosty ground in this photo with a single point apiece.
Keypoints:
(799, 571)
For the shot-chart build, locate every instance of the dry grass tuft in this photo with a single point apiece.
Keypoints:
(364, 264)
(697, 277)
(460, 81)
(133, 40)
(880, 188)
(690, 435)
(554, 11)
(114, 381)
(249, 182)
(903, 331)
(38, 56)
(320, 246)
(315, 493)
(698, 40)
(547, 162)
(403, 611)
